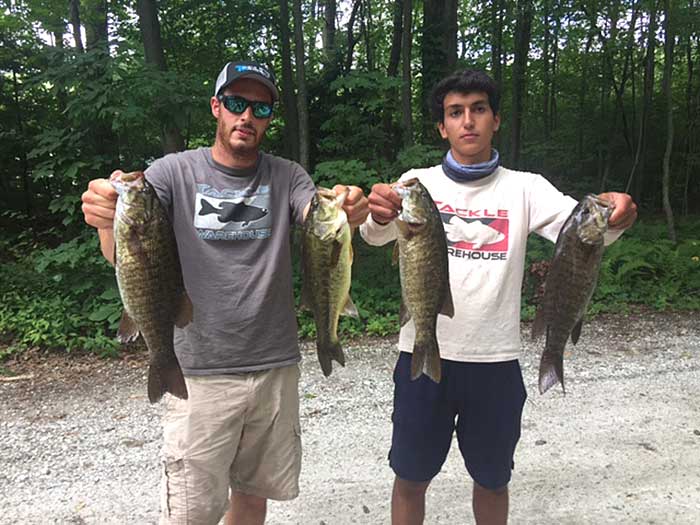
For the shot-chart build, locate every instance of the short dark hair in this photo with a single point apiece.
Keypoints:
(467, 81)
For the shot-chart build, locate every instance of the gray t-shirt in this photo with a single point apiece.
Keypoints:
(233, 235)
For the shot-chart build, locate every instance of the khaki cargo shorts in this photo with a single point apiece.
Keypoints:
(239, 431)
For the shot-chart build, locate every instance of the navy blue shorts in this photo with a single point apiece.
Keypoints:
(483, 401)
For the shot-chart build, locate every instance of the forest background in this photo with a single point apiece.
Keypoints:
(596, 95)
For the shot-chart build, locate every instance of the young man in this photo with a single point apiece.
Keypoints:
(232, 207)
(488, 212)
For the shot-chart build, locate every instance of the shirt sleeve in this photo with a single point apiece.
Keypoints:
(160, 176)
(376, 234)
(548, 208)
(611, 236)
(301, 191)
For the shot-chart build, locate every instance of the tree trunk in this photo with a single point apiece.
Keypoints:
(497, 13)
(330, 57)
(103, 137)
(626, 73)
(171, 138)
(433, 59)
(583, 93)
(26, 182)
(392, 135)
(366, 28)
(289, 101)
(61, 96)
(395, 53)
(313, 15)
(523, 26)
(669, 41)
(150, 34)
(75, 24)
(497, 19)
(648, 89)
(607, 75)
(692, 120)
(302, 100)
(351, 35)
(406, 42)
(451, 34)
(553, 114)
(545, 72)
(96, 29)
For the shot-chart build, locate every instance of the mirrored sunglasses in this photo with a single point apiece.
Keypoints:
(238, 105)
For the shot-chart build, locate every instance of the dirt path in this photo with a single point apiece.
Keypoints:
(79, 442)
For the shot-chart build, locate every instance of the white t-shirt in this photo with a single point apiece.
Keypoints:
(487, 223)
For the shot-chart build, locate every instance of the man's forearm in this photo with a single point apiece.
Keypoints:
(107, 243)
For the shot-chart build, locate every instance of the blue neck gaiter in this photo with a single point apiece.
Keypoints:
(470, 172)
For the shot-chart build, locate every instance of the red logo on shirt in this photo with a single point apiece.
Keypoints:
(481, 230)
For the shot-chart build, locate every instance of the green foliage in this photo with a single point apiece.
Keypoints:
(418, 156)
(62, 298)
(351, 172)
(354, 127)
(657, 274)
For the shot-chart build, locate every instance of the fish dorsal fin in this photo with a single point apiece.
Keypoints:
(404, 314)
(350, 308)
(538, 323)
(395, 254)
(576, 332)
(127, 331)
(448, 307)
(183, 317)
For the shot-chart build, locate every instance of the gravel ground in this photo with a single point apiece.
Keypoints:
(79, 442)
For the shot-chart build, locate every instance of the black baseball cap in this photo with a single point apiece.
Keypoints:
(236, 70)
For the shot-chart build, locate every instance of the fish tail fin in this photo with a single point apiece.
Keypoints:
(207, 208)
(551, 370)
(167, 379)
(426, 360)
(328, 352)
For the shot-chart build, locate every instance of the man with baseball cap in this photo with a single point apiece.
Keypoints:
(232, 207)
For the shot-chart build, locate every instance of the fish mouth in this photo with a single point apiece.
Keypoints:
(134, 180)
(402, 185)
(602, 202)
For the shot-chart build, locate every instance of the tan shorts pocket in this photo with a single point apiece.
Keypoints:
(174, 489)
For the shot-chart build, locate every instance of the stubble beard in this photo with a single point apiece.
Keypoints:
(241, 151)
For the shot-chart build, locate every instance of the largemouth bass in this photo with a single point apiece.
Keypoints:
(423, 268)
(326, 265)
(150, 281)
(570, 284)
